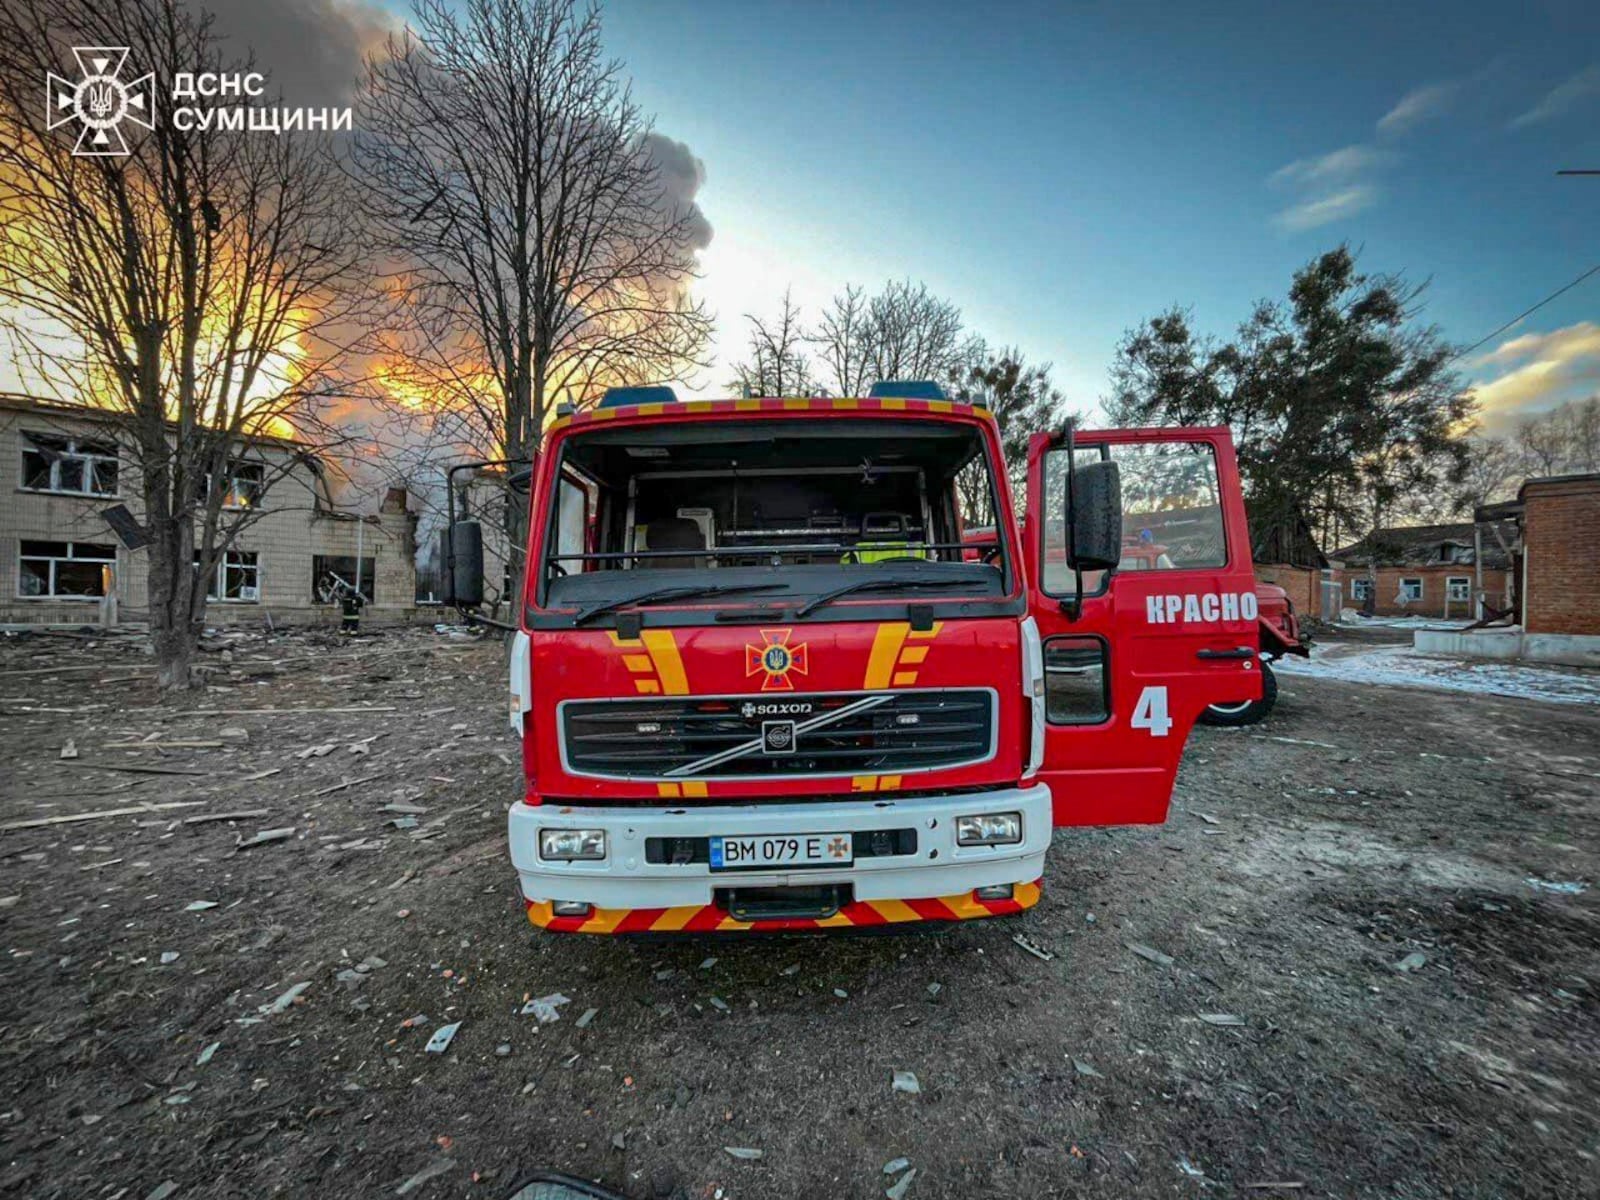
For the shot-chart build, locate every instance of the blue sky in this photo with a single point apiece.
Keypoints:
(1063, 172)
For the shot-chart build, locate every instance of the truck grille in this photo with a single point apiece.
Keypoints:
(753, 737)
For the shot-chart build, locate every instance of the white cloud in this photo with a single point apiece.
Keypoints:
(1417, 106)
(1336, 166)
(1537, 371)
(1561, 98)
(1321, 210)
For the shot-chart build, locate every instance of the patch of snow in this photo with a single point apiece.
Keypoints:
(1402, 666)
(1403, 623)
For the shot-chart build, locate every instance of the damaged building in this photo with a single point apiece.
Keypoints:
(69, 529)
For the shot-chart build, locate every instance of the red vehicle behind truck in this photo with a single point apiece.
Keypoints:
(760, 687)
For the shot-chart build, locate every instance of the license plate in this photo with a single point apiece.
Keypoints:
(781, 850)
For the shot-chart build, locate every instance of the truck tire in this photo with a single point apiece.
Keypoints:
(1246, 712)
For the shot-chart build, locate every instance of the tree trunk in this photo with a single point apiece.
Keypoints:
(174, 633)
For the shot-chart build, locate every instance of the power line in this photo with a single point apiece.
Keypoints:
(1527, 312)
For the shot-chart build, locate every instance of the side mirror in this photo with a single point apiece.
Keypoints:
(461, 548)
(520, 481)
(1095, 528)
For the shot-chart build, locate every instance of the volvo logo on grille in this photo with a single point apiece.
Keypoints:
(777, 737)
(791, 709)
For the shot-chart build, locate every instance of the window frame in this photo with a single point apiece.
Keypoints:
(1104, 450)
(1450, 582)
(1105, 680)
(1360, 587)
(230, 501)
(88, 460)
(69, 557)
(1405, 586)
(217, 585)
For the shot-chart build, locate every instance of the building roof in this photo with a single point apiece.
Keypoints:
(18, 402)
(1587, 482)
(1426, 546)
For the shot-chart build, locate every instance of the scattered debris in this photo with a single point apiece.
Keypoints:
(898, 1191)
(503, 1050)
(70, 749)
(841, 993)
(199, 905)
(321, 751)
(266, 836)
(791, 969)
(1282, 1185)
(933, 990)
(163, 1190)
(440, 1041)
(247, 814)
(1032, 947)
(743, 1153)
(208, 1054)
(432, 1171)
(544, 1007)
(1083, 1068)
(619, 1141)
(708, 963)
(589, 1014)
(1184, 1165)
(718, 1003)
(906, 1081)
(282, 1003)
(41, 822)
(1412, 962)
(404, 822)
(1574, 887)
(895, 1165)
(1151, 954)
(1208, 818)
(168, 957)
(1222, 1018)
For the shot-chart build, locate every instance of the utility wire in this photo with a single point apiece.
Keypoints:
(1594, 270)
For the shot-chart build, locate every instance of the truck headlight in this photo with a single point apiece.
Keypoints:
(572, 845)
(989, 829)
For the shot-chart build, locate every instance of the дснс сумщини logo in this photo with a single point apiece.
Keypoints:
(100, 101)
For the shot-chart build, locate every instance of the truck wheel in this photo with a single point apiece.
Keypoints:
(1246, 712)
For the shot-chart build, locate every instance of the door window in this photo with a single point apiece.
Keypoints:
(1077, 686)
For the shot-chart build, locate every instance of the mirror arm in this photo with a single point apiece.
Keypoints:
(1072, 606)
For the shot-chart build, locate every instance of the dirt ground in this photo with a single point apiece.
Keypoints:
(1362, 830)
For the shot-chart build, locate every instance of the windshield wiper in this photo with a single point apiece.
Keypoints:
(682, 592)
(872, 585)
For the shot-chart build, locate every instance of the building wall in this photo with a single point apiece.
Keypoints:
(1434, 601)
(1561, 542)
(1299, 582)
(294, 524)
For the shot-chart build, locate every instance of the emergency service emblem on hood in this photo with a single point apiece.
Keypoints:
(776, 658)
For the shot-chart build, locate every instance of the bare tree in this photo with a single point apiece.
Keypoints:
(1562, 440)
(842, 342)
(777, 365)
(912, 334)
(195, 286)
(518, 188)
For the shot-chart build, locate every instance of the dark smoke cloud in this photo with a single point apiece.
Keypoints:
(311, 50)
(682, 175)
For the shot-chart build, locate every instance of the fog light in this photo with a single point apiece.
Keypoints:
(989, 829)
(570, 908)
(571, 845)
(1000, 891)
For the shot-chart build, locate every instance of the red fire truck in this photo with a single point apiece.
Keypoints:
(760, 686)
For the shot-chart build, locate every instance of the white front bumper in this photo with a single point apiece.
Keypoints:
(623, 879)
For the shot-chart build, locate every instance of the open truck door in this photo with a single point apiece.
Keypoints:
(1141, 627)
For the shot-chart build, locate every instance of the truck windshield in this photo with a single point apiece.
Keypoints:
(799, 512)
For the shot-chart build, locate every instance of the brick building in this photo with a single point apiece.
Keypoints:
(1447, 571)
(63, 466)
(1560, 519)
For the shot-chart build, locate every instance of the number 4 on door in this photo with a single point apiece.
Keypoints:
(1151, 712)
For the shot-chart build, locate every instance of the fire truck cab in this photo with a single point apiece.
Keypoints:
(763, 682)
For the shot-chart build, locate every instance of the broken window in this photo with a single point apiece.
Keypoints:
(77, 466)
(243, 484)
(1458, 587)
(237, 576)
(1410, 589)
(1360, 589)
(332, 576)
(64, 569)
